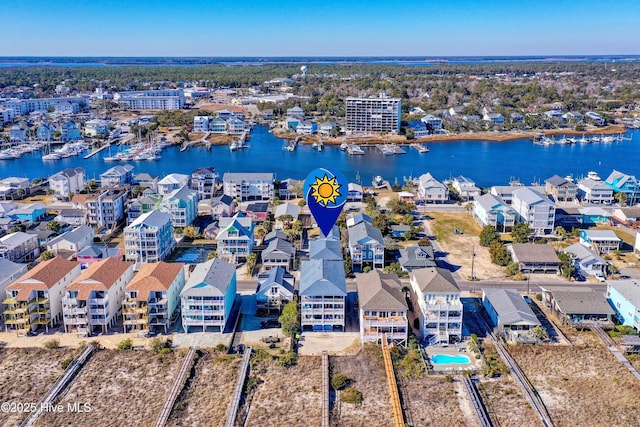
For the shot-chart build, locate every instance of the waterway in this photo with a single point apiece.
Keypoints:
(487, 163)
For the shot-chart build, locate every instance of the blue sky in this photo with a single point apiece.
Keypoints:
(318, 28)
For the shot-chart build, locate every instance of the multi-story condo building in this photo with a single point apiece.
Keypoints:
(22, 107)
(149, 238)
(431, 190)
(93, 299)
(535, 209)
(35, 299)
(492, 210)
(166, 99)
(151, 298)
(208, 296)
(67, 181)
(323, 292)
(106, 209)
(19, 247)
(628, 185)
(366, 245)
(561, 189)
(204, 181)
(9, 272)
(117, 175)
(382, 308)
(365, 115)
(182, 205)
(439, 307)
(235, 238)
(248, 186)
(594, 191)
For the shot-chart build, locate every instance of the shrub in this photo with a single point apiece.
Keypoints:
(125, 345)
(288, 359)
(366, 269)
(340, 381)
(352, 395)
(52, 344)
(221, 348)
(158, 344)
(512, 269)
(66, 362)
(539, 297)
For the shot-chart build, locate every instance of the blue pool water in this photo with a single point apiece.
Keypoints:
(445, 359)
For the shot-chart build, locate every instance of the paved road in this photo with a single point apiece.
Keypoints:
(533, 287)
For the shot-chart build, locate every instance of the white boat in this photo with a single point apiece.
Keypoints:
(594, 176)
(8, 155)
(344, 146)
(354, 150)
(51, 156)
(233, 146)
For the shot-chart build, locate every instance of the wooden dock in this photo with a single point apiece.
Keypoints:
(94, 152)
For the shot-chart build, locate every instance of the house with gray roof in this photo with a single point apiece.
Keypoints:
(561, 189)
(117, 175)
(430, 190)
(72, 241)
(279, 253)
(323, 293)
(586, 261)
(510, 314)
(325, 248)
(73, 217)
(274, 234)
(416, 256)
(601, 241)
(222, 206)
(439, 308)
(490, 209)
(275, 289)
(366, 246)
(67, 181)
(172, 182)
(146, 180)
(208, 295)
(535, 258)
(235, 238)
(466, 188)
(9, 273)
(248, 185)
(282, 214)
(19, 247)
(594, 191)
(578, 307)
(382, 308)
(535, 209)
(149, 238)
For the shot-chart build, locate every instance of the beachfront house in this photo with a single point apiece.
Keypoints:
(366, 244)
(307, 128)
(66, 182)
(416, 256)
(578, 307)
(438, 307)
(535, 209)
(510, 315)
(535, 258)
(595, 192)
(35, 298)
(624, 297)
(561, 189)
(172, 182)
(152, 297)
(430, 190)
(492, 210)
(235, 238)
(117, 175)
(248, 186)
(92, 301)
(382, 308)
(275, 289)
(208, 296)
(625, 184)
(149, 238)
(323, 293)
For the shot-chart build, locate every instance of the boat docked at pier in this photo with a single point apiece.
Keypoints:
(420, 148)
(355, 150)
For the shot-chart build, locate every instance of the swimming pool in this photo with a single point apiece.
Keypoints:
(446, 359)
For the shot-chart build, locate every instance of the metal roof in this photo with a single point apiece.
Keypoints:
(323, 278)
(510, 307)
(211, 278)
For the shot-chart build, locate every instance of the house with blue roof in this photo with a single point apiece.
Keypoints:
(325, 248)
(366, 246)
(275, 289)
(419, 128)
(323, 293)
(208, 295)
(235, 238)
(621, 182)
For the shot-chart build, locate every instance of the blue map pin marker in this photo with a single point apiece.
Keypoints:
(325, 191)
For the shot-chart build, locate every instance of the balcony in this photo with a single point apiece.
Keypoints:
(75, 311)
(69, 301)
(98, 301)
(203, 312)
(98, 311)
(75, 321)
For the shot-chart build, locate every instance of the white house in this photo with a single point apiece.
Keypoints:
(431, 190)
(73, 241)
(535, 209)
(492, 210)
(172, 182)
(94, 298)
(67, 181)
(149, 238)
(248, 186)
(275, 289)
(466, 188)
(117, 175)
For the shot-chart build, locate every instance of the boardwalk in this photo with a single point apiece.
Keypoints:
(393, 386)
(178, 384)
(611, 346)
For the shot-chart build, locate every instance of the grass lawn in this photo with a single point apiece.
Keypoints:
(627, 238)
(443, 224)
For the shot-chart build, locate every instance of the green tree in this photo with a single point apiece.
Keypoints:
(290, 319)
(566, 264)
(54, 226)
(47, 255)
(190, 232)
(394, 268)
(499, 254)
(400, 207)
(521, 232)
(251, 263)
(621, 198)
(488, 235)
(540, 333)
(512, 269)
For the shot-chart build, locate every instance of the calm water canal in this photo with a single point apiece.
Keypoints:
(487, 163)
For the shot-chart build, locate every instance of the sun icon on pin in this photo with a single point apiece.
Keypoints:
(325, 190)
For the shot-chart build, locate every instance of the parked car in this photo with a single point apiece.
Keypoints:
(270, 323)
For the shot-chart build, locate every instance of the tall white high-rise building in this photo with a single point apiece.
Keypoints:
(373, 114)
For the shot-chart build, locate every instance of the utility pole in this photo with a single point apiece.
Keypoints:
(473, 259)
